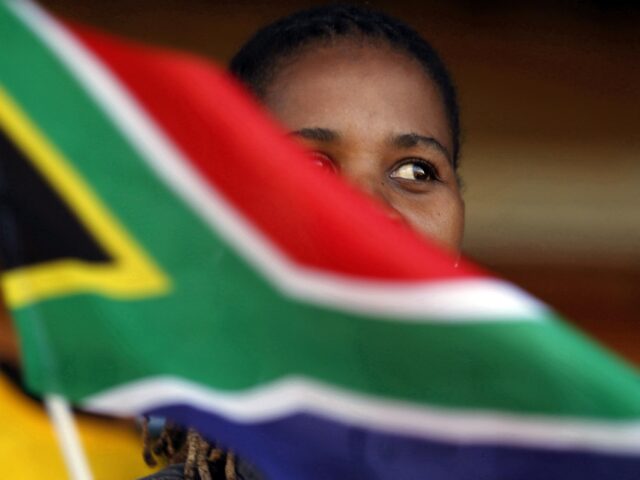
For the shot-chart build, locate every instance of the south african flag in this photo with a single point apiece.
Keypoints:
(166, 250)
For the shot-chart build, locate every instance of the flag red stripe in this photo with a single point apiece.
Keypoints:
(315, 218)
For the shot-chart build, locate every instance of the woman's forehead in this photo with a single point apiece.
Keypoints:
(357, 86)
(348, 55)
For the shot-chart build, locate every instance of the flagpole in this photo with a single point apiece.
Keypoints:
(62, 417)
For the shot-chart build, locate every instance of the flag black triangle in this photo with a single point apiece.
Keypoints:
(57, 237)
(36, 225)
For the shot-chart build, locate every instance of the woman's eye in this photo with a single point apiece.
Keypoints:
(416, 171)
(323, 161)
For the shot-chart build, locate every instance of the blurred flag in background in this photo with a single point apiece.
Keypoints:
(168, 251)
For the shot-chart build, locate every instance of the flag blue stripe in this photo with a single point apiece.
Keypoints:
(315, 448)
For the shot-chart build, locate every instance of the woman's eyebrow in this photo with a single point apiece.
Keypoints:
(409, 140)
(319, 134)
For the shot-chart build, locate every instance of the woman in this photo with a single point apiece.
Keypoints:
(372, 100)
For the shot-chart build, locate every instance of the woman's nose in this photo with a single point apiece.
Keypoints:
(374, 187)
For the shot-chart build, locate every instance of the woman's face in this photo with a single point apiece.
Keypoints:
(374, 116)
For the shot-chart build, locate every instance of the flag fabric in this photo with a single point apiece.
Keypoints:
(168, 251)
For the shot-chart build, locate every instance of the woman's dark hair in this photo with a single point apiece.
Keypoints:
(202, 459)
(257, 62)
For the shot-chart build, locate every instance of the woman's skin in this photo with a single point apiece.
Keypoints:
(8, 343)
(372, 114)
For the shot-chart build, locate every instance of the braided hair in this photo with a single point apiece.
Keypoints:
(256, 65)
(202, 459)
(257, 62)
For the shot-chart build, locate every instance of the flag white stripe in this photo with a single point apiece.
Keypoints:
(461, 300)
(294, 395)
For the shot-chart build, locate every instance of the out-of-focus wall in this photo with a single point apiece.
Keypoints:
(550, 96)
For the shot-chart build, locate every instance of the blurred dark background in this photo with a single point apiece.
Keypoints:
(550, 95)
